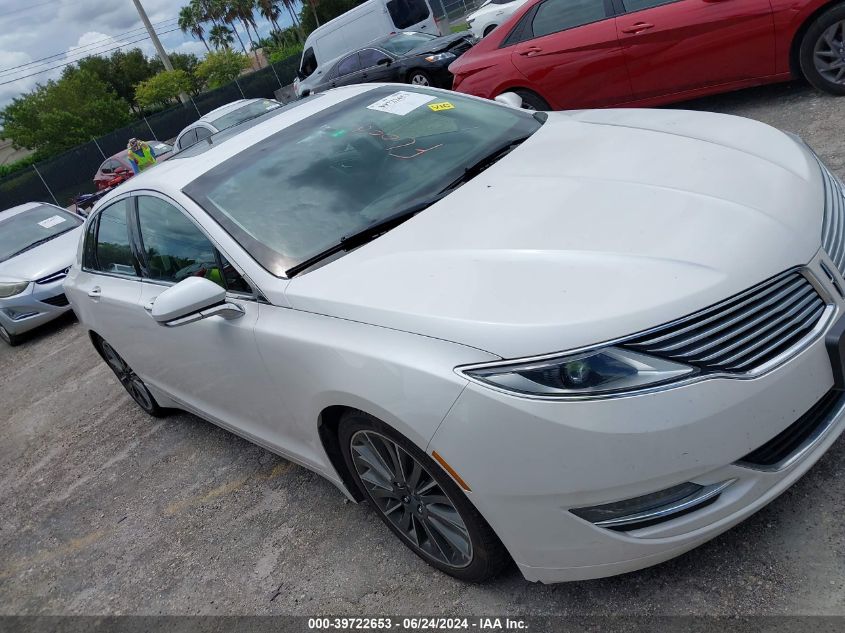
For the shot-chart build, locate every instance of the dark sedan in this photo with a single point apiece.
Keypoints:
(415, 58)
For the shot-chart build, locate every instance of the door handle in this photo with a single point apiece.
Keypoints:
(531, 51)
(639, 27)
(96, 292)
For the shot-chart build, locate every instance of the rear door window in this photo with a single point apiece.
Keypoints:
(188, 138)
(407, 13)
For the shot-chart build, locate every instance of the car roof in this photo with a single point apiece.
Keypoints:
(224, 110)
(172, 176)
(7, 213)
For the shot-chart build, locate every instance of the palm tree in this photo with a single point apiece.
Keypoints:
(289, 5)
(243, 10)
(190, 21)
(220, 36)
(270, 12)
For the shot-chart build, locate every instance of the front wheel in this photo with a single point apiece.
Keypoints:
(419, 78)
(8, 337)
(532, 101)
(418, 501)
(133, 384)
(822, 53)
(489, 29)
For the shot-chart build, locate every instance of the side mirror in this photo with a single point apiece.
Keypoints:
(191, 300)
(510, 99)
(384, 61)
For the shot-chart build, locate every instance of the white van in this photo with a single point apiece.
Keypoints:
(361, 25)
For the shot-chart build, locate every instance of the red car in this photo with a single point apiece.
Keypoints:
(116, 169)
(562, 54)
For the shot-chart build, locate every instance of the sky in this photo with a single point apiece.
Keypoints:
(65, 30)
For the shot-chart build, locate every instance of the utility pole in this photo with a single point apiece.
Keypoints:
(157, 43)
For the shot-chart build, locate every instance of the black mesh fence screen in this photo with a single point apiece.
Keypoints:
(72, 172)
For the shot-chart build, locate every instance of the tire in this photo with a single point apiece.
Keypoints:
(419, 78)
(437, 521)
(490, 28)
(533, 101)
(10, 339)
(134, 386)
(822, 52)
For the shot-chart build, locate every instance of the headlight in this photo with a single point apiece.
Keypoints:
(606, 371)
(11, 289)
(439, 57)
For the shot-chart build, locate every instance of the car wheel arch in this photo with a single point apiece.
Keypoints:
(798, 37)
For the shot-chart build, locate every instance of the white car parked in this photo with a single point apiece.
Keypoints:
(586, 341)
(491, 14)
(223, 118)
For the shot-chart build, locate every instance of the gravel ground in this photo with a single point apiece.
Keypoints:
(104, 510)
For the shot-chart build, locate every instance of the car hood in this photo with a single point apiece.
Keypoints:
(438, 44)
(602, 224)
(53, 256)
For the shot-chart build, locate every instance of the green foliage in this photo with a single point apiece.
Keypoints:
(221, 67)
(187, 62)
(122, 71)
(163, 88)
(281, 54)
(18, 165)
(64, 113)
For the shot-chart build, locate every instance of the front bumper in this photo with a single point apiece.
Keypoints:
(38, 304)
(529, 462)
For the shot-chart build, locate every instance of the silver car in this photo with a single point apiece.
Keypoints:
(38, 244)
(223, 118)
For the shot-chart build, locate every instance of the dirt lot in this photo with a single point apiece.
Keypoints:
(105, 510)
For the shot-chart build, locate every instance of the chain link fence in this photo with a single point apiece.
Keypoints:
(61, 178)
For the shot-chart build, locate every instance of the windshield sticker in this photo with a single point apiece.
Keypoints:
(52, 221)
(393, 148)
(401, 102)
(442, 105)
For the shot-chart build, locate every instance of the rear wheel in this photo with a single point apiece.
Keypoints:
(419, 78)
(134, 386)
(532, 101)
(8, 337)
(418, 501)
(822, 53)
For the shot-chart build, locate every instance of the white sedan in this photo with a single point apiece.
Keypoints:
(491, 14)
(586, 341)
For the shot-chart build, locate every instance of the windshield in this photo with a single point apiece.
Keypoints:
(25, 230)
(401, 43)
(245, 113)
(298, 192)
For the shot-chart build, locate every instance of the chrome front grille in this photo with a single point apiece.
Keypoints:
(61, 274)
(743, 333)
(833, 228)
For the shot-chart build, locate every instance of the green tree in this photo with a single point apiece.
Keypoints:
(162, 89)
(122, 71)
(60, 114)
(182, 61)
(221, 67)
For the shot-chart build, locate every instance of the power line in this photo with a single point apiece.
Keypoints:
(32, 6)
(73, 61)
(101, 42)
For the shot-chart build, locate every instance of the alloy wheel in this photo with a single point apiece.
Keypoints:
(829, 53)
(128, 378)
(411, 499)
(420, 80)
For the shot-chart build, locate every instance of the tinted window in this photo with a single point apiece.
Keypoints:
(114, 254)
(401, 43)
(639, 5)
(369, 57)
(406, 13)
(309, 63)
(244, 113)
(300, 190)
(348, 65)
(175, 249)
(202, 133)
(27, 230)
(188, 139)
(558, 15)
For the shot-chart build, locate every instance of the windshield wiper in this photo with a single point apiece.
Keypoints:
(471, 171)
(367, 234)
(43, 240)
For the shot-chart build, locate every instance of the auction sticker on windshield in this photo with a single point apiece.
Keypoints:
(443, 105)
(51, 221)
(401, 102)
